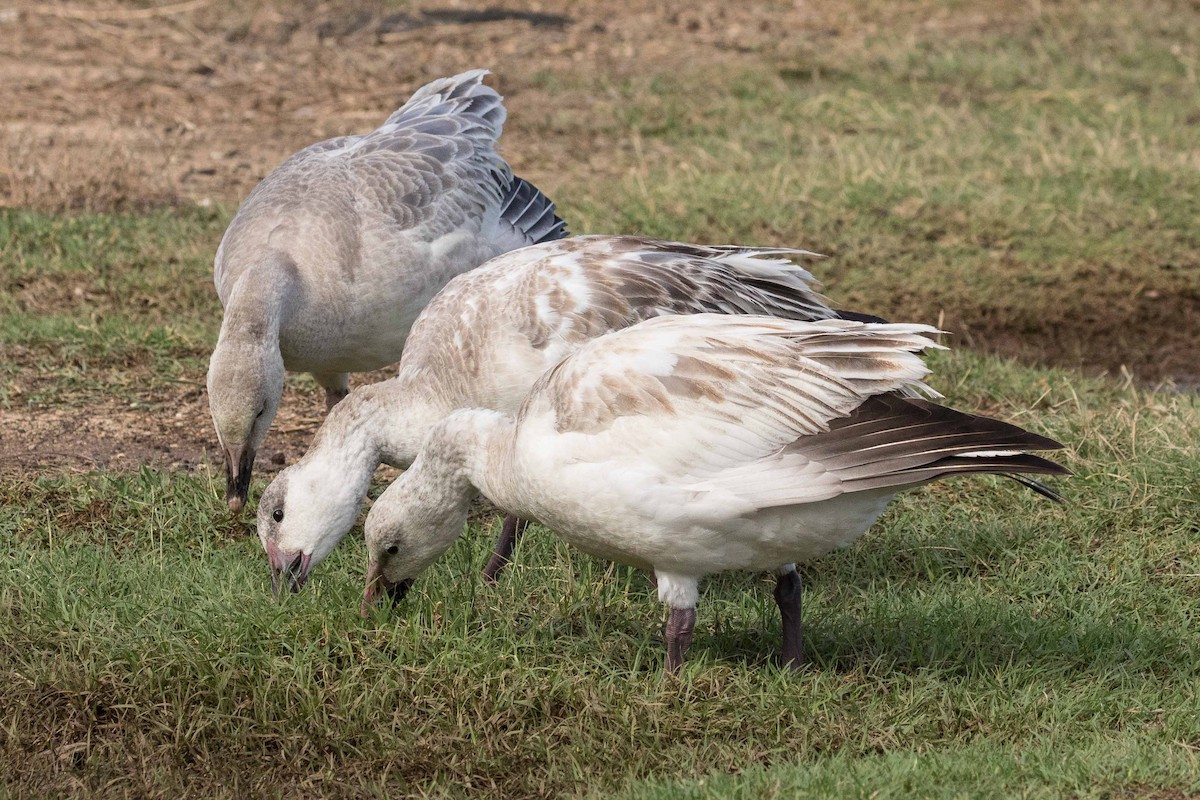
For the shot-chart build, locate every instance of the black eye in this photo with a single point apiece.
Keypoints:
(277, 515)
(393, 550)
(261, 411)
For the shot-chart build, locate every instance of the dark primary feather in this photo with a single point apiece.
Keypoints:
(895, 441)
(858, 316)
(673, 277)
(528, 210)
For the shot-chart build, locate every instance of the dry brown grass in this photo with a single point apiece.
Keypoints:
(108, 109)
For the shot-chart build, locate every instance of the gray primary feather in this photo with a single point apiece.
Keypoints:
(531, 213)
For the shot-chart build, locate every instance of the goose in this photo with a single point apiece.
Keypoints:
(697, 445)
(484, 340)
(326, 265)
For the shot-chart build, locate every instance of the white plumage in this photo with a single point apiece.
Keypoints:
(696, 445)
(484, 341)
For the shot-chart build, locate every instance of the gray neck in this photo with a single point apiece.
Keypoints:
(262, 300)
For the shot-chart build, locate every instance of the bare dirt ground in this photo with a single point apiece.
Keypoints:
(170, 429)
(111, 105)
(198, 100)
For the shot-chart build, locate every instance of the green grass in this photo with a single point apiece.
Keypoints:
(978, 633)
(1089, 768)
(1034, 185)
(97, 303)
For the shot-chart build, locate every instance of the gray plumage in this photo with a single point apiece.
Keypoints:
(332, 257)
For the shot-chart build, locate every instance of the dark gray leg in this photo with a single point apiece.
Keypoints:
(787, 596)
(680, 624)
(513, 529)
(336, 385)
(333, 397)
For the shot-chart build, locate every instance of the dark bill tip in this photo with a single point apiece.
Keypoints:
(378, 585)
(237, 480)
(399, 591)
(292, 573)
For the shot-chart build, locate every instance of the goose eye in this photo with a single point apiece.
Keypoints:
(277, 515)
(393, 550)
(261, 411)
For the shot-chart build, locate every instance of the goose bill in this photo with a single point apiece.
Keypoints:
(237, 478)
(378, 584)
(294, 572)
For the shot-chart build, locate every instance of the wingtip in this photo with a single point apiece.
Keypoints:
(532, 212)
(1039, 487)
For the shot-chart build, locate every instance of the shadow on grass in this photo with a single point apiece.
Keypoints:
(974, 639)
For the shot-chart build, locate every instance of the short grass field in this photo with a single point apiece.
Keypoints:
(1030, 182)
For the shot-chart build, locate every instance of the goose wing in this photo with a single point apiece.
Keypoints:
(431, 169)
(525, 310)
(752, 413)
(581, 288)
(704, 393)
(888, 442)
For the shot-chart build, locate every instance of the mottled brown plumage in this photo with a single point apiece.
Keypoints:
(694, 445)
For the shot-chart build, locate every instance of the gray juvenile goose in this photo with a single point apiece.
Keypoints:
(332, 257)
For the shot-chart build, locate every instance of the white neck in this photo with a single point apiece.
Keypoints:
(384, 422)
(481, 442)
(428, 504)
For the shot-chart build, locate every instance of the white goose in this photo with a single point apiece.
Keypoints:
(484, 340)
(331, 257)
(695, 445)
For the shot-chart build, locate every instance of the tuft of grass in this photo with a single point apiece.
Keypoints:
(1097, 767)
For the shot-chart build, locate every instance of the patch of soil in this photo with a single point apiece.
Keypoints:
(111, 106)
(1150, 338)
(170, 429)
(114, 107)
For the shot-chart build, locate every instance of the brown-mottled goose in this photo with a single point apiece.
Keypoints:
(696, 445)
(485, 339)
(331, 257)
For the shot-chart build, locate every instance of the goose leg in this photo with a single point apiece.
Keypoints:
(679, 593)
(680, 624)
(788, 587)
(336, 385)
(502, 554)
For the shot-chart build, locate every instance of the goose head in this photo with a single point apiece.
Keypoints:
(410, 526)
(245, 385)
(303, 515)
